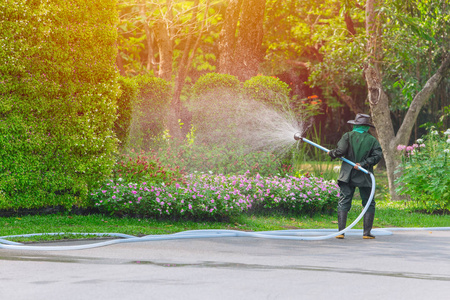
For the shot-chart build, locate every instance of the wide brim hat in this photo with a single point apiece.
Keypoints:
(361, 119)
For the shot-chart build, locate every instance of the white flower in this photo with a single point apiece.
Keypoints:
(447, 151)
(434, 132)
(447, 132)
(419, 141)
(448, 141)
(336, 169)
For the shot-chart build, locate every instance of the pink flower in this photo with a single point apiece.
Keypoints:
(134, 192)
(401, 147)
(114, 197)
(409, 148)
(103, 191)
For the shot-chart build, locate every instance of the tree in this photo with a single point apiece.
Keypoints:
(378, 99)
(227, 41)
(241, 55)
(322, 40)
(169, 34)
(399, 50)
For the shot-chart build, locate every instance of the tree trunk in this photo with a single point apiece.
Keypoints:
(227, 39)
(248, 53)
(162, 33)
(181, 76)
(182, 68)
(151, 66)
(349, 101)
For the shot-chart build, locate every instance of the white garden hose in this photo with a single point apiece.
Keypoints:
(295, 234)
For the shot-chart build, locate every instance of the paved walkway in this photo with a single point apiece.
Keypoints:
(406, 265)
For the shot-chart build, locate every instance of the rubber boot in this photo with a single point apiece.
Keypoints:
(342, 222)
(368, 223)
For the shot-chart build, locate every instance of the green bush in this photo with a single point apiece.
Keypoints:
(217, 108)
(269, 90)
(425, 171)
(150, 112)
(125, 104)
(216, 83)
(58, 96)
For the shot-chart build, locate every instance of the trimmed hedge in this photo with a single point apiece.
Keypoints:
(267, 89)
(150, 112)
(214, 82)
(58, 96)
(125, 104)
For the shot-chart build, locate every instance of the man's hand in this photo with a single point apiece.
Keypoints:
(357, 165)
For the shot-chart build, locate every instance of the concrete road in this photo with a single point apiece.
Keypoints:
(406, 265)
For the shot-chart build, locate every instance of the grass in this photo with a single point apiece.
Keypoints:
(389, 214)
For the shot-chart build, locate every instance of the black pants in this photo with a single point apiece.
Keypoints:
(346, 197)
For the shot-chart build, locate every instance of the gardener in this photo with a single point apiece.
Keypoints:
(362, 148)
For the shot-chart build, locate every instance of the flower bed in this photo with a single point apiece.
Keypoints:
(217, 196)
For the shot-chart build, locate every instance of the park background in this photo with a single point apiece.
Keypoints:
(139, 99)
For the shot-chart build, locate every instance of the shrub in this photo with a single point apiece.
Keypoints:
(125, 104)
(216, 83)
(217, 196)
(136, 167)
(269, 90)
(425, 171)
(150, 112)
(58, 96)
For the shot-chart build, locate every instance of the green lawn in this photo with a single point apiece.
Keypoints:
(389, 214)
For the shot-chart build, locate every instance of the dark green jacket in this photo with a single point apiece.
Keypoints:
(360, 148)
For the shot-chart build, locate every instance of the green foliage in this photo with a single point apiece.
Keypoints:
(125, 104)
(425, 171)
(269, 90)
(417, 33)
(150, 111)
(216, 83)
(58, 96)
(132, 40)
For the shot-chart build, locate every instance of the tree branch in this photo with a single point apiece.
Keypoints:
(419, 101)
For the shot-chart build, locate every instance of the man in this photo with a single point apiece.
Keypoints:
(360, 147)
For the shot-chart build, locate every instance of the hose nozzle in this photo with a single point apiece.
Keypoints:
(298, 136)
